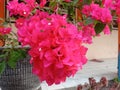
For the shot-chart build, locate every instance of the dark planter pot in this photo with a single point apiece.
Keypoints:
(20, 78)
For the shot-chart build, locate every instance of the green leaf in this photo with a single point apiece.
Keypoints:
(116, 80)
(15, 56)
(2, 66)
(87, 1)
(2, 55)
(52, 4)
(23, 53)
(75, 2)
(99, 27)
(5, 23)
(12, 64)
(89, 21)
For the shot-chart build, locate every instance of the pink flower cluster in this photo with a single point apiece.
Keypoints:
(67, 0)
(56, 46)
(42, 3)
(23, 8)
(97, 13)
(4, 31)
(106, 30)
(87, 32)
(15, 8)
(113, 5)
(117, 7)
(108, 3)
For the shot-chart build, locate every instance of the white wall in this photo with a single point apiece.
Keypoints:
(105, 46)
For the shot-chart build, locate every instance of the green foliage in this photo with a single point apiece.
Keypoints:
(2, 66)
(15, 56)
(99, 27)
(75, 2)
(116, 80)
(53, 4)
(63, 8)
(10, 57)
(87, 1)
(88, 21)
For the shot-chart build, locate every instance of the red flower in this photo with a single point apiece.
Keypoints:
(56, 47)
(42, 3)
(4, 31)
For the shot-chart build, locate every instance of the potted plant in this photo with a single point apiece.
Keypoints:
(15, 69)
(55, 37)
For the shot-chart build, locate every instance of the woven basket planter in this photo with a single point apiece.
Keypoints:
(20, 78)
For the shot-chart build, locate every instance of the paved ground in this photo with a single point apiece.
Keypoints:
(96, 69)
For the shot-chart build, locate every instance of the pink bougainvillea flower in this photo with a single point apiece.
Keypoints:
(56, 46)
(102, 14)
(31, 3)
(87, 32)
(27, 35)
(4, 31)
(42, 3)
(20, 9)
(106, 30)
(19, 22)
(107, 3)
(67, 0)
(86, 10)
(117, 8)
(48, 63)
(106, 17)
(118, 20)
(98, 13)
